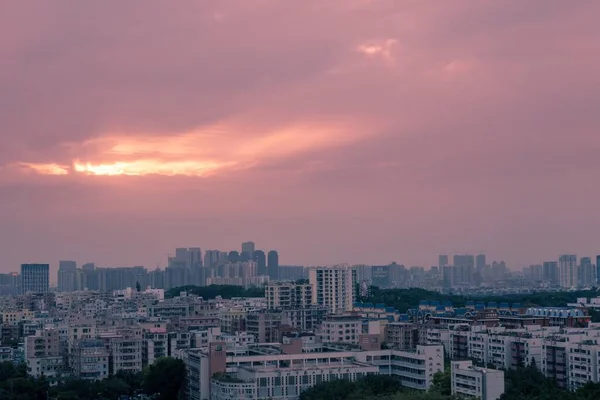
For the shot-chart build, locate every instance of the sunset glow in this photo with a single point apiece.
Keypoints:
(147, 167)
(46, 169)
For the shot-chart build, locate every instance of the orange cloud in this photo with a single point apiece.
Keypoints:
(46, 169)
(200, 152)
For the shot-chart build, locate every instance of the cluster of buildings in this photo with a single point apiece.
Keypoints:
(276, 346)
(468, 271)
(302, 332)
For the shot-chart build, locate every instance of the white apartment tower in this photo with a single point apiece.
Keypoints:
(334, 287)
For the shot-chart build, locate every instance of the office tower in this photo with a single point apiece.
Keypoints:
(273, 264)
(443, 260)
(334, 287)
(67, 276)
(260, 259)
(35, 278)
(587, 276)
(597, 269)
(550, 272)
(568, 271)
(233, 256)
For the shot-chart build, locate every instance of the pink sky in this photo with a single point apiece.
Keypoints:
(360, 131)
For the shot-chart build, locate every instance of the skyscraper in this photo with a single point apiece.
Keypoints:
(211, 258)
(568, 271)
(550, 272)
(480, 262)
(597, 269)
(442, 260)
(187, 258)
(464, 266)
(261, 259)
(35, 278)
(67, 276)
(273, 264)
(233, 256)
(247, 251)
(587, 273)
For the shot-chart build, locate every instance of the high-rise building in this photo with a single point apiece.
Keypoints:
(597, 269)
(443, 260)
(10, 284)
(480, 262)
(247, 251)
(587, 273)
(67, 276)
(212, 258)
(261, 260)
(334, 287)
(464, 268)
(186, 258)
(35, 278)
(550, 272)
(195, 257)
(273, 264)
(233, 256)
(568, 271)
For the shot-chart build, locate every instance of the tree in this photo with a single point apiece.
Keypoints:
(442, 383)
(164, 378)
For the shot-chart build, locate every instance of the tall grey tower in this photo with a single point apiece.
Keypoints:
(247, 251)
(35, 278)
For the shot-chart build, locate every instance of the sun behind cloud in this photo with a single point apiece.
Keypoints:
(199, 153)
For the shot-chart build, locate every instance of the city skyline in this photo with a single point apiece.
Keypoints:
(477, 261)
(352, 131)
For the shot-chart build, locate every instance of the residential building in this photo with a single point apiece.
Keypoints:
(483, 383)
(340, 329)
(334, 287)
(288, 295)
(568, 271)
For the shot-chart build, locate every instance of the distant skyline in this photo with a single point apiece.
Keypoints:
(360, 131)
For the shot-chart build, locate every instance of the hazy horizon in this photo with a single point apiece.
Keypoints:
(358, 131)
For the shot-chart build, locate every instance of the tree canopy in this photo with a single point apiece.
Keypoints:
(212, 291)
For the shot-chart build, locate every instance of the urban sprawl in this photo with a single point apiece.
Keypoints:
(248, 328)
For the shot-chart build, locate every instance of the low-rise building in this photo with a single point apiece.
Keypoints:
(483, 383)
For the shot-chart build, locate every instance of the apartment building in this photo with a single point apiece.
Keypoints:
(264, 326)
(402, 335)
(90, 359)
(334, 287)
(570, 361)
(125, 346)
(483, 383)
(288, 295)
(42, 354)
(340, 329)
(154, 346)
